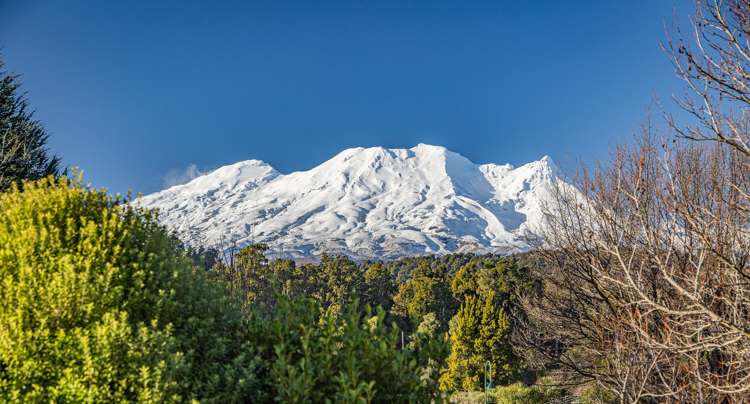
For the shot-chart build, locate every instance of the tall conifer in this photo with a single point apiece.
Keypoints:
(23, 155)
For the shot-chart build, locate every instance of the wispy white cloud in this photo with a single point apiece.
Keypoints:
(177, 176)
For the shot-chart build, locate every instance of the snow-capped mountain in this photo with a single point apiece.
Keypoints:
(364, 202)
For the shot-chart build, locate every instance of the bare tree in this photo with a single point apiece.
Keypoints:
(646, 285)
(714, 62)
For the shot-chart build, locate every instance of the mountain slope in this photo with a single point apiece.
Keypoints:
(364, 202)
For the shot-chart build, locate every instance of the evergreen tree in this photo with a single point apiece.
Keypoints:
(431, 348)
(248, 272)
(289, 279)
(481, 330)
(426, 291)
(464, 362)
(340, 282)
(23, 155)
(480, 333)
(379, 286)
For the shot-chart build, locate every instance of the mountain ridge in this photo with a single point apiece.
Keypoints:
(367, 203)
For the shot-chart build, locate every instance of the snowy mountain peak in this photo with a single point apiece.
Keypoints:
(364, 202)
(429, 149)
(546, 164)
(233, 174)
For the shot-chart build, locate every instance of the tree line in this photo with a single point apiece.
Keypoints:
(474, 299)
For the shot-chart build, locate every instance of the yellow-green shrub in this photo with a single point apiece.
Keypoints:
(519, 393)
(98, 304)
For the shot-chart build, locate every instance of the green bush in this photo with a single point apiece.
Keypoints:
(313, 356)
(594, 394)
(519, 393)
(98, 304)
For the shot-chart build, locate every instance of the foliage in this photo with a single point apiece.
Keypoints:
(23, 155)
(379, 286)
(404, 268)
(431, 347)
(519, 393)
(98, 304)
(314, 357)
(249, 273)
(339, 282)
(423, 304)
(426, 291)
(481, 330)
(592, 393)
(334, 283)
(204, 258)
(316, 340)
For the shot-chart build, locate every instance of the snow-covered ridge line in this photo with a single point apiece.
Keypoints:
(364, 202)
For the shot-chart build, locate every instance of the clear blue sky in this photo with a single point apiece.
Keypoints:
(134, 90)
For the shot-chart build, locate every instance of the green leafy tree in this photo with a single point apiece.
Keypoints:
(426, 291)
(546, 390)
(379, 286)
(202, 257)
(339, 281)
(290, 279)
(464, 363)
(261, 281)
(431, 348)
(249, 273)
(23, 155)
(481, 330)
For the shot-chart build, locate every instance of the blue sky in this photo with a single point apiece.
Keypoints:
(134, 92)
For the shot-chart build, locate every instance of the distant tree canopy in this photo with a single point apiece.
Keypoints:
(470, 301)
(23, 155)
